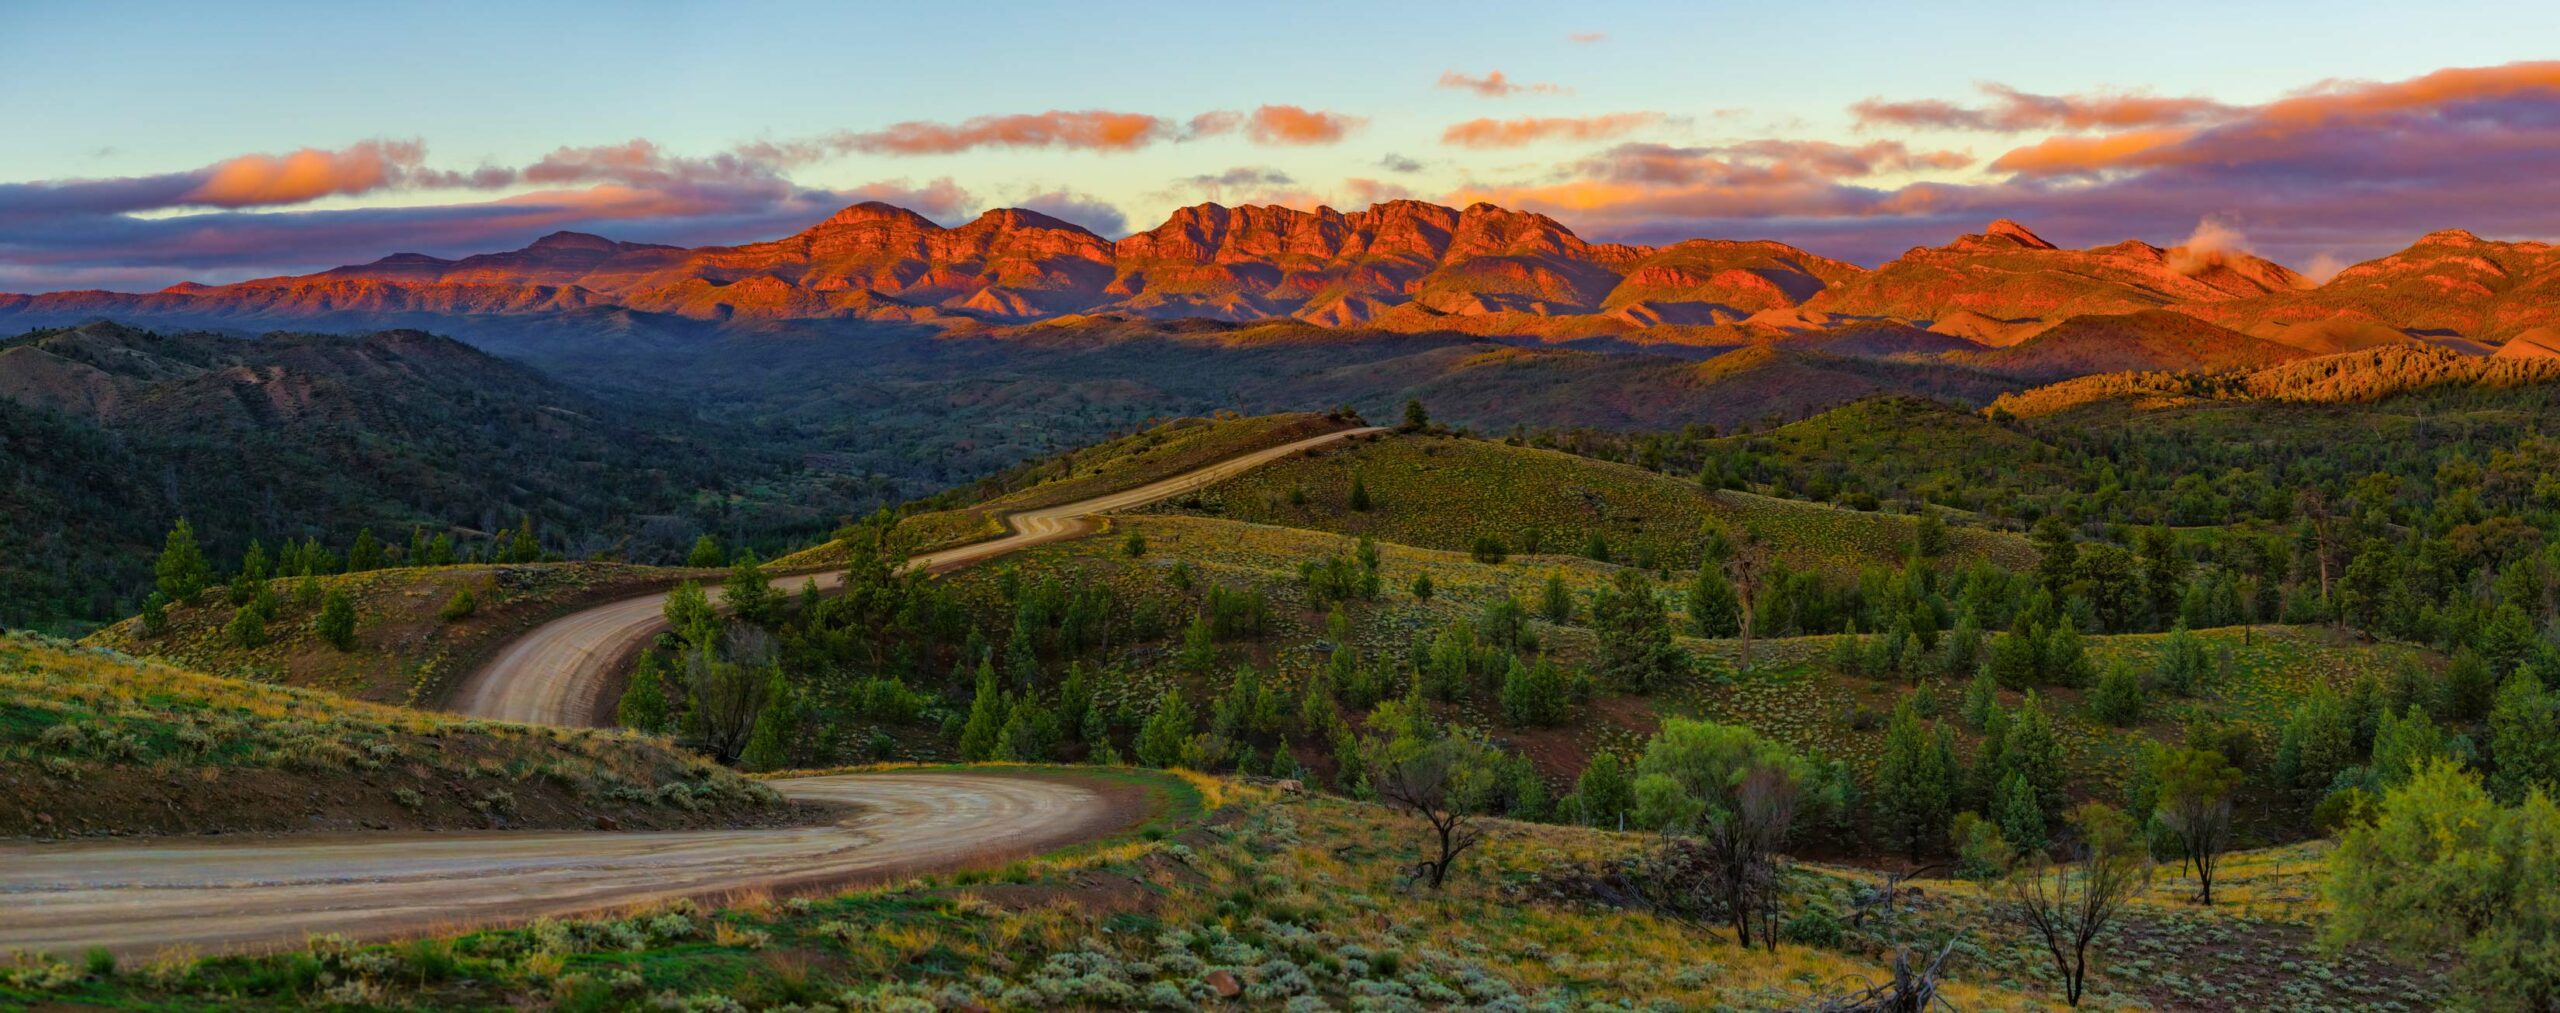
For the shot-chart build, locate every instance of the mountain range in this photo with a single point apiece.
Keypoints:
(1410, 266)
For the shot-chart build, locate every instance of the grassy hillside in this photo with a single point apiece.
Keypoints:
(96, 742)
(974, 513)
(1893, 449)
(406, 651)
(1446, 493)
(1276, 901)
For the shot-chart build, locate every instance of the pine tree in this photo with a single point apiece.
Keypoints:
(706, 553)
(1422, 588)
(769, 745)
(365, 554)
(643, 707)
(181, 570)
(248, 628)
(1556, 601)
(750, 594)
(1415, 418)
(987, 714)
(2020, 817)
(1914, 794)
(1606, 790)
(1166, 732)
(1714, 611)
(337, 621)
(2117, 700)
(2524, 740)
(254, 564)
(155, 614)
(1359, 494)
(1134, 546)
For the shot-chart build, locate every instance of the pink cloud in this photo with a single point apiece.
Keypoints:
(1494, 133)
(1496, 85)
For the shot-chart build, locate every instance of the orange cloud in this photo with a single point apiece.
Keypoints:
(2331, 100)
(1278, 124)
(1496, 85)
(1492, 133)
(2073, 154)
(1586, 38)
(1088, 130)
(305, 175)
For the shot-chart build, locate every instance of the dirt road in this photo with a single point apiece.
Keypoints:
(137, 898)
(559, 673)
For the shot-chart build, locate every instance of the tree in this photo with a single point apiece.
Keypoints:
(337, 621)
(1422, 588)
(2069, 904)
(155, 614)
(1596, 547)
(750, 594)
(1605, 790)
(182, 571)
(1359, 494)
(1714, 610)
(2195, 789)
(2443, 868)
(1746, 565)
(1448, 781)
(643, 706)
(2317, 742)
(248, 626)
(1555, 601)
(1738, 796)
(688, 611)
(1134, 546)
(2057, 553)
(366, 553)
(1915, 786)
(2524, 740)
(1415, 418)
(1929, 535)
(1161, 738)
(1490, 550)
(769, 745)
(1533, 694)
(1636, 652)
(2020, 814)
(988, 710)
(706, 553)
(728, 696)
(2118, 698)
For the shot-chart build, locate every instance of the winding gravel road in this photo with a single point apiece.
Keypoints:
(138, 898)
(219, 896)
(559, 673)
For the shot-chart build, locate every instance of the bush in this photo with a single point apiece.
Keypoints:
(1816, 925)
(1489, 549)
(2117, 700)
(459, 607)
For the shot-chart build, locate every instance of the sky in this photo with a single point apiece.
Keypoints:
(150, 143)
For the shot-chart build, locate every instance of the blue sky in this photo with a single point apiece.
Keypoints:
(104, 92)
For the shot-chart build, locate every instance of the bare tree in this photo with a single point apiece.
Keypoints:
(2069, 904)
(2314, 506)
(1444, 782)
(1744, 845)
(1909, 991)
(1745, 567)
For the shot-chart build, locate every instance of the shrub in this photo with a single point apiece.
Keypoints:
(1490, 550)
(459, 607)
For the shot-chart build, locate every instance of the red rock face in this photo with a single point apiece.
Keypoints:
(1407, 265)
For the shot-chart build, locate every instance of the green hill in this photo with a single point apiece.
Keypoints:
(1445, 492)
(97, 742)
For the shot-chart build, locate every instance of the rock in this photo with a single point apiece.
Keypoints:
(1224, 983)
(607, 823)
(1291, 787)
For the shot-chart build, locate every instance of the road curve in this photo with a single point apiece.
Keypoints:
(137, 898)
(558, 673)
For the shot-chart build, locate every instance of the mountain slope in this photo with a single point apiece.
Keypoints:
(296, 436)
(2007, 272)
(2142, 340)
